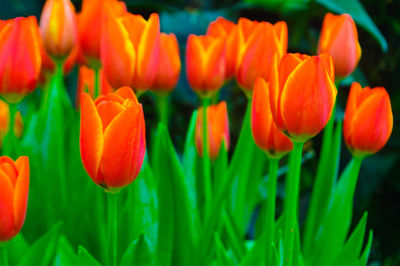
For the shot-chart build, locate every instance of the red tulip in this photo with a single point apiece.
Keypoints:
(14, 187)
(368, 120)
(112, 138)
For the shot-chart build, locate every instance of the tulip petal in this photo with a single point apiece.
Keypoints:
(127, 93)
(21, 191)
(351, 109)
(6, 207)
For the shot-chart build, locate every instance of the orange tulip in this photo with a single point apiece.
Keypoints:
(112, 138)
(205, 64)
(302, 95)
(339, 38)
(90, 24)
(169, 65)
(58, 27)
(14, 187)
(368, 120)
(266, 134)
(20, 58)
(223, 28)
(257, 43)
(134, 63)
(86, 83)
(4, 122)
(218, 129)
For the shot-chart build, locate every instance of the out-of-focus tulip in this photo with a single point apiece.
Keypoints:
(218, 129)
(20, 58)
(58, 27)
(258, 44)
(266, 134)
(368, 120)
(14, 188)
(4, 122)
(86, 83)
(205, 64)
(169, 65)
(90, 24)
(302, 94)
(135, 62)
(339, 38)
(112, 138)
(223, 28)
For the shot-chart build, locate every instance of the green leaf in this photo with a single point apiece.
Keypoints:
(139, 253)
(85, 258)
(223, 257)
(220, 167)
(65, 254)
(364, 257)
(15, 247)
(360, 16)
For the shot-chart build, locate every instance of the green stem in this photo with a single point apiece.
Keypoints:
(292, 202)
(10, 140)
(96, 82)
(354, 171)
(269, 208)
(4, 255)
(206, 160)
(162, 104)
(112, 202)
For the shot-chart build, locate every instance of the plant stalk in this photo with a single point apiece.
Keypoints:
(10, 139)
(163, 107)
(206, 160)
(4, 255)
(96, 82)
(112, 202)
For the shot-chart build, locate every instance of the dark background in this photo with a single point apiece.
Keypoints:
(378, 190)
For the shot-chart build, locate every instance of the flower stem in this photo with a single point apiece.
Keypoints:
(162, 104)
(206, 159)
(10, 139)
(112, 202)
(4, 255)
(292, 202)
(96, 82)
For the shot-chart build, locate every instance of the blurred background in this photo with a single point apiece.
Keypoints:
(378, 23)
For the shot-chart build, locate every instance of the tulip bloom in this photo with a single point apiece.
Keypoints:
(266, 134)
(258, 43)
(302, 94)
(4, 122)
(218, 129)
(90, 24)
(339, 38)
(112, 138)
(205, 64)
(368, 120)
(19, 68)
(14, 187)
(169, 64)
(58, 27)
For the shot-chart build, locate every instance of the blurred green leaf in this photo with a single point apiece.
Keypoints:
(364, 257)
(85, 258)
(65, 254)
(139, 253)
(223, 257)
(281, 5)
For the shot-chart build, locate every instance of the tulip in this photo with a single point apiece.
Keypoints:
(218, 129)
(112, 138)
(368, 120)
(14, 187)
(20, 58)
(223, 28)
(58, 27)
(205, 64)
(302, 94)
(4, 122)
(258, 43)
(266, 134)
(134, 63)
(339, 38)
(169, 64)
(90, 24)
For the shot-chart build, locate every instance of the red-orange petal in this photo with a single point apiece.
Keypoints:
(6, 208)
(21, 191)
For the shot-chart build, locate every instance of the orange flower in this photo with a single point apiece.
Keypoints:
(257, 43)
(58, 27)
(223, 28)
(14, 187)
(169, 64)
(4, 122)
(205, 64)
(339, 38)
(266, 134)
(20, 58)
(90, 24)
(112, 138)
(368, 120)
(218, 129)
(302, 95)
(135, 62)
(86, 83)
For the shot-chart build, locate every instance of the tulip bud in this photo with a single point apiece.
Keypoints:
(339, 38)
(20, 58)
(205, 64)
(58, 27)
(218, 129)
(14, 187)
(368, 120)
(266, 134)
(302, 94)
(135, 62)
(169, 65)
(4, 122)
(112, 138)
